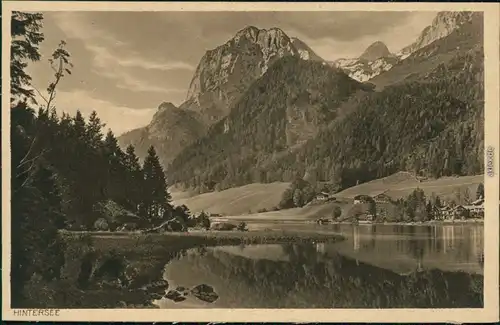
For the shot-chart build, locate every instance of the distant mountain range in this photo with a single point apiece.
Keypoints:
(264, 107)
(377, 58)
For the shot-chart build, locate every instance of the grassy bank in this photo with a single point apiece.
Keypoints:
(242, 203)
(401, 184)
(233, 201)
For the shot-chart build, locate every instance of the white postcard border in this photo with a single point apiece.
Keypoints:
(489, 313)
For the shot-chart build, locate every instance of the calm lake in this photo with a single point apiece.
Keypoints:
(377, 266)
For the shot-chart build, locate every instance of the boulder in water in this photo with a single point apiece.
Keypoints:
(179, 299)
(205, 293)
(159, 286)
(172, 295)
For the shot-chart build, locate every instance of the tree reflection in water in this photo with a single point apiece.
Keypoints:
(311, 279)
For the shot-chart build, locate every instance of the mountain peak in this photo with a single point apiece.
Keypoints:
(249, 31)
(375, 51)
(166, 105)
(224, 71)
(442, 25)
(258, 35)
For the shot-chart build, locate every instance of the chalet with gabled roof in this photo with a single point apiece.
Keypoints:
(362, 198)
(382, 198)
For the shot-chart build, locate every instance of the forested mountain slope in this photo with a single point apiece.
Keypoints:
(282, 110)
(432, 125)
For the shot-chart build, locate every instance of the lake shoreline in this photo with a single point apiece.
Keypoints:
(313, 221)
(215, 237)
(426, 223)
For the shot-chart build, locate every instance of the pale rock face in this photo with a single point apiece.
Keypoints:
(305, 52)
(304, 55)
(225, 72)
(443, 25)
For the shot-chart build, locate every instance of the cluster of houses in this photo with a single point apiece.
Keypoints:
(473, 210)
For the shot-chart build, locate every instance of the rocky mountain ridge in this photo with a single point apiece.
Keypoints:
(377, 59)
(443, 25)
(221, 77)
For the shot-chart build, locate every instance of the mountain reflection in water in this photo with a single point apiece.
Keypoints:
(387, 267)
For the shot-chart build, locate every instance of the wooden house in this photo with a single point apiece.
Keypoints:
(446, 213)
(475, 210)
(478, 202)
(322, 196)
(382, 198)
(358, 199)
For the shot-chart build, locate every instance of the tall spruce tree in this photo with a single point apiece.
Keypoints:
(116, 169)
(156, 199)
(134, 183)
(480, 191)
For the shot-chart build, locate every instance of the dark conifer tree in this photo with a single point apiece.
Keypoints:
(480, 191)
(156, 199)
(116, 169)
(134, 183)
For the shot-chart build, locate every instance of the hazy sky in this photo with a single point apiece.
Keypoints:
(127, 63)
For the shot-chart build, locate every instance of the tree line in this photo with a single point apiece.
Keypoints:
(64, 169)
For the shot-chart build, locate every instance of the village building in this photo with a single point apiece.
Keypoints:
(382, 198)
(475, 211)
(324, 196)
(461, 212)
(478, 202)
(358, 199)
(446, 213)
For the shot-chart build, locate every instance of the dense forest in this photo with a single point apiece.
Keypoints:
(66, 174)
(432, 126)
(281, 110)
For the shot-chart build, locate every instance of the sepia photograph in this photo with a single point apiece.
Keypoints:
(267, 159)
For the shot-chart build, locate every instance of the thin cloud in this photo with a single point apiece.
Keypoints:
(112, 57)
(118, 118)
(104, 58)
(76, 25)
(124, 80)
